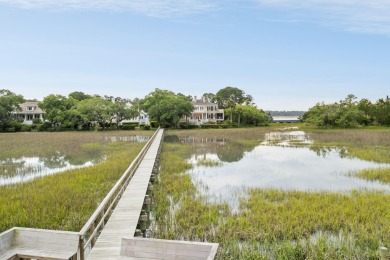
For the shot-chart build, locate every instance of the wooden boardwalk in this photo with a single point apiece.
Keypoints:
(124, 219)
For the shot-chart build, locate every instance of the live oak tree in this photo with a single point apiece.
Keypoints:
(57, 109)
(97, 110)
(229, 97)
(9, 102)
(166, 107)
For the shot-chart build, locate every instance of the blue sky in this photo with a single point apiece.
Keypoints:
(288, 54)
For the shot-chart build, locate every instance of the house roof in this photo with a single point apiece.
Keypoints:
(35, 109)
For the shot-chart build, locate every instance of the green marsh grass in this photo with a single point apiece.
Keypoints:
(382, 175)
(208, 163)
(66, 200)
(273, 224)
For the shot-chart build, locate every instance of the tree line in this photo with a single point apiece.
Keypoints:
(81, 111)
(349, 113)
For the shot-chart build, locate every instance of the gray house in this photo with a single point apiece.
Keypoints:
(28, 111)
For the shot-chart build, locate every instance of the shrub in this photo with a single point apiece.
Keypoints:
(26, 128)
(186, 125)
(14, 126)
(153, 123)
(10, 129)
(37, 121)
(208, 126)
(127, 126)
(228, 122)
(146, 127)
(43, 127)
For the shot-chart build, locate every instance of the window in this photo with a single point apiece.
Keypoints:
(30, 108)
(30, 117)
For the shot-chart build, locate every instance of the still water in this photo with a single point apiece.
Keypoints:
(24, 169)
(283, 160)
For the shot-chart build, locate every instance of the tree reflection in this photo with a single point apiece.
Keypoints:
(226, 150)
(323, 151)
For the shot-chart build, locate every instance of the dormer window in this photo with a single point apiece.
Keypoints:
(30, 108)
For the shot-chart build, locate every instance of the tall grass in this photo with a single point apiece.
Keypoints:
(271, 224)
(63, 201)
(382, 175)
(365, 144)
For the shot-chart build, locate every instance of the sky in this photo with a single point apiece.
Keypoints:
(287, 54)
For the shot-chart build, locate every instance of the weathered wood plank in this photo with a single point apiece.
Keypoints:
(167, 249)
(7, 240)
(40, 244)
(124, 219)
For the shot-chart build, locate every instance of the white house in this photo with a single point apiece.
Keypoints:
(142, 119)
(205, 112)
(29, 111)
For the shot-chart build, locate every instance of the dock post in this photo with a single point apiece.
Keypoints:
(384, 252)
(143, 221)
(81, 247)
(150, 187)
(138, 233)
(147, 203)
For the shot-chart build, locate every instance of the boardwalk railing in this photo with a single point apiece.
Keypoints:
(95, 224)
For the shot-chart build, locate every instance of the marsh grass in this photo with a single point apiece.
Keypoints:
(381, 174)
(66, 200)
(208, 163)
(365, 144)
(273, 224)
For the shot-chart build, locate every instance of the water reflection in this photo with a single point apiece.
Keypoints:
(131, 138)
(287, 138)
(281, 165)
(226, 150)
(23, 169)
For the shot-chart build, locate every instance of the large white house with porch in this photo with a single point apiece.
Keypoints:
(205, 112)
(29, 110)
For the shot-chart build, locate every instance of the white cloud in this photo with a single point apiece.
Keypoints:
(158, 8)
(370, 16)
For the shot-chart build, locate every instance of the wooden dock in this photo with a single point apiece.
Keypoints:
(124, 219)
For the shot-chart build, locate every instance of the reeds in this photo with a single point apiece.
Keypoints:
(273, 224)
(63, 201)
(381, 174)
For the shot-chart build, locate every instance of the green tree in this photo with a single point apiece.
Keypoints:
(166, 107)
(382, 111)
(348, 113)
(210, 97)
(123, 112)
(56, 109)
(368, 109)
(345, 113)
(9, 102)
(249, 115)
(227, 96)
(78, 95)
(96, 110)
